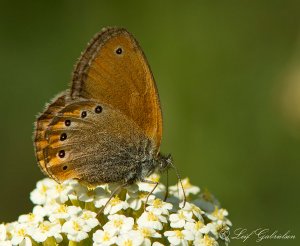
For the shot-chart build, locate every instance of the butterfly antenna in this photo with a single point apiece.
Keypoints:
(179, 179)
(167, 187)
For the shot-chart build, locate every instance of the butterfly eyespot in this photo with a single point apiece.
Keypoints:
(83, 114)
(67, 122)
(61, 153)
(65, 168)
(98, 109)
(63, 136)
(119, 51)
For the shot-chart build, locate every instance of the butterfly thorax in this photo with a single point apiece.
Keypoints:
(159, 163)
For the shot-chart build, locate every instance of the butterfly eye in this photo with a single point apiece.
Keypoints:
(67, 122)
(98, 109)
(63, 136)
(119, 51)
(61, 153)
(65, 168)
(83, 114)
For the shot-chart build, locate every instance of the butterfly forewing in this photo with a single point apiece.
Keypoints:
(113, 70)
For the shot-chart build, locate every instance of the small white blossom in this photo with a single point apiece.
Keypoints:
(179, 219)
(61, 211)
(159, 207)
(39, 195)
(196, 211)
(89, 218)
(197, 227)
(149, 219)
(60, 192)
(205, 240)
(76, 229)
(47, 229)
(118, 224)
(143, 186)
(132, 238)
(135, 197)
(86, 194)
(219, 215)
(115, 205)
(20, 234)
(179, 237)
(103, 238)
(101, 196)
(148, 232)
(176, 190)
(33, 218)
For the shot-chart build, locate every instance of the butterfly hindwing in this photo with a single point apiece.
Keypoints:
(42, 122)
(86, 138)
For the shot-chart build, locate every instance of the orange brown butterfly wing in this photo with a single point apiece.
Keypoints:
(94, 147)
(114, 70)
(42, 122)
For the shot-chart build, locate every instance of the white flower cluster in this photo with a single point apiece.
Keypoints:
(66, 214)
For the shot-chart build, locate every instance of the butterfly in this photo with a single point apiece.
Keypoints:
(107, 127)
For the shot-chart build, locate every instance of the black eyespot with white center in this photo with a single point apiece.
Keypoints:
(65, 168)
(63, 136)
(61, 153)
(83, 114)
(98, 109)
(67, 122)
(119, 51)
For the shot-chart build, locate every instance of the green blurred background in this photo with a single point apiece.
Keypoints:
(219, 67)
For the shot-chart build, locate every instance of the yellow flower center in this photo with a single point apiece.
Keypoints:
(115, 201)
(43, 227)
(157, 203)
(118, 223)
(179, 234)
(146, 232)
(128, 243)
(198, 225)
(21, 232)
(86, 216)
(154, 178)
(208, 241)
(181, 215)
(152, 217)
(59, 188)
(106, 237)
(44, 189)
(76, 226)
(62, 208)
(218, 213)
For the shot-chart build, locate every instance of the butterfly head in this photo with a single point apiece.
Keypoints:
(164, 162)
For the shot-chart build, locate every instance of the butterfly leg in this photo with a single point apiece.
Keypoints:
(116, 191)
(149, 182)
